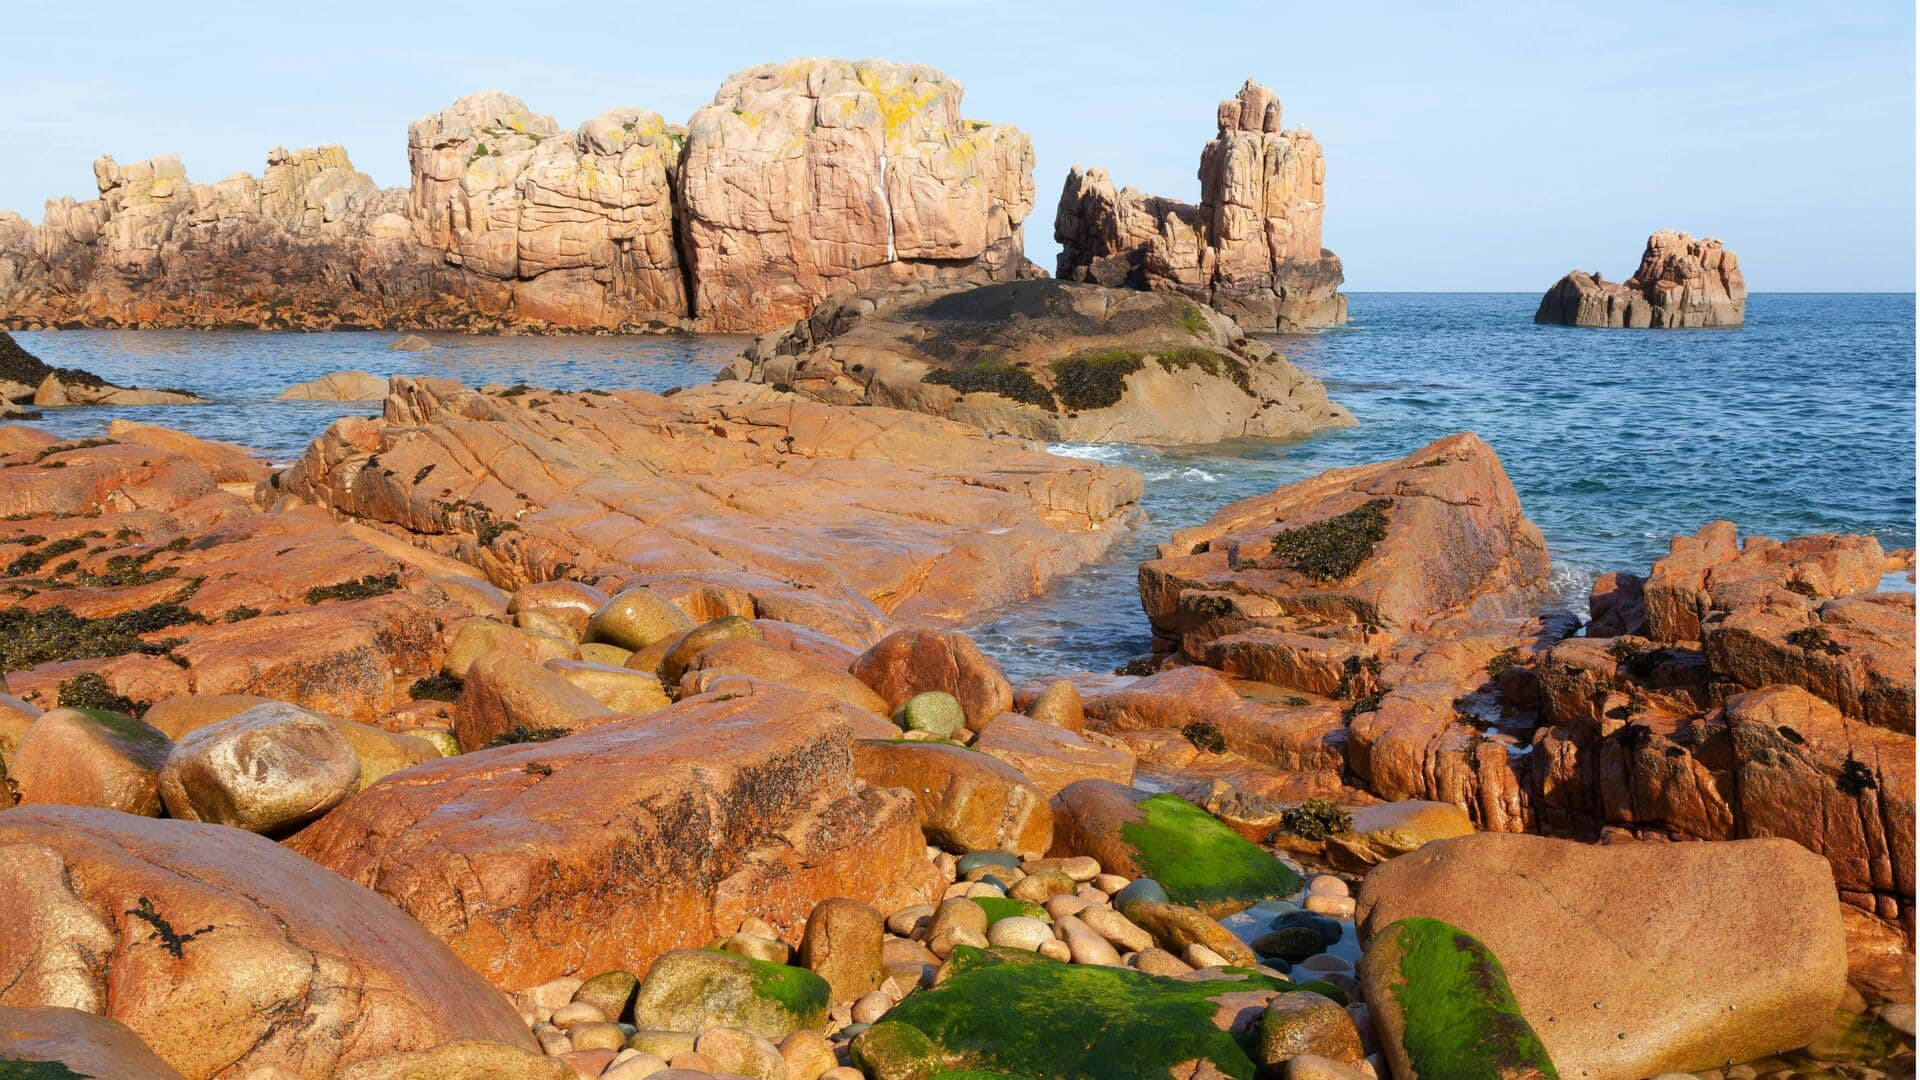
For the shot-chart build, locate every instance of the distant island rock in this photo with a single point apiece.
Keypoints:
(1047, 359)
(1682, 282)
(1251, 248)
(800, 178)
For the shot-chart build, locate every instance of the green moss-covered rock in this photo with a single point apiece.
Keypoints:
(1441, 1003)
(935, 712)
(692, 990)
(1002, 907)
(1048, 1020)
(1201, 862)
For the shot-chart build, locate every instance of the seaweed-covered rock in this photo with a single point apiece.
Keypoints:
(1047, 360)
(1443, 1008)
(1634, 959)
(692, 990)
(89, 1046)
(997, 1016)
(1680, 282)
(1195, 857)
(1374, 834)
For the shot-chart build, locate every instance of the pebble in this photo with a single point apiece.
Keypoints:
(665, 1045)
(1064, 905)
(746, 1053)
(1899, 1016)
(1056, 950)
(1139, 890)
(1116, 928)
(1081, 868)
(1325, 962)
(577, 1012)
(1091, 895)
(1110, 883)
(553, 1041)
(549, 996)
(1019, 932)
(1202, 957)
(904, 921)
(597, 1035)
(1042, 886)
(589, 1063)
(1340, 907)
(690, 1059)
(1160, 962)
(632, 1065)
(1327, 885)
(1086, 946)
(973, 859)
(843, 1072)
(869, 1009)
(759, 928)
(808, 1055)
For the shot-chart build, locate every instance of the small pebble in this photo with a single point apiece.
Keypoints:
(902, 922)
(1340, 907)
(1091, 895)
(1064, 905)
(1056, 950)
(1110, 883)
(1019, 932)
(1202, 957)
(1160, 962)
(759, 928)
(1086, 946)
(632, 1065)
(553, 1041)
(869, 1009)
(1325, 962)
(577, 1012)
(1898, 1016)
(588, 1063)
(1327, 885)
(808, 1055)
(597, 1036)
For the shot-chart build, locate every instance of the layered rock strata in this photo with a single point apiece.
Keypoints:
(1049, 360)
(800, 179)
(1251, 248)
(1681, 282)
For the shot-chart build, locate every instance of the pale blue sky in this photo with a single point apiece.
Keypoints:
(1471, 146)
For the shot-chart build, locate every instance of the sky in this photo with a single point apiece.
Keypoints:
(1470, 146)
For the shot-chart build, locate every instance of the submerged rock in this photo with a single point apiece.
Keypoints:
(1681, 282)
(1251, 248)
(1047, 360)
(341, 385)
(1631, 960)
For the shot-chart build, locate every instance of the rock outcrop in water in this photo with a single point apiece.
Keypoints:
(1681, 282)
(25, 379)
(1048, 360)
(801, 179)
(1251, 248)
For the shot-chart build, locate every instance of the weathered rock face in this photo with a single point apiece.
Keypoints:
(126, 571)
(632, 838)
(91, 1046)
(1048, 360)
(815, 176)
(577, 227)
(837, 519)
(1636, 959)
(1252, 246)
(1681, 282)
(801, 179)
(227, 953)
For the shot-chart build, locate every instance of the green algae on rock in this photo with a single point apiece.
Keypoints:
(692, 990)
(1443, 1007)
(1049, 1020)
(1003, 907)
(1200, 861)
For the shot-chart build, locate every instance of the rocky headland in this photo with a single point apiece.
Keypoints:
(1251, 248)
(1681, 282)
(526, 733)
(1049, 360)
(800, 179)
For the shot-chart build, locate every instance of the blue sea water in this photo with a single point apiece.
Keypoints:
(1800, 421)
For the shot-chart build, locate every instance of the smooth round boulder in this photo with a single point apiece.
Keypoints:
(842, 944)
(680, 655)
(694, 990)
(907, 662)
(90, 757)
(268, 769)
(935, 712)
(1060, 705)
(636, 618)
(1303, 1022)
(477, 637)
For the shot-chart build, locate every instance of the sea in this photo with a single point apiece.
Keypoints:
(1800, 421)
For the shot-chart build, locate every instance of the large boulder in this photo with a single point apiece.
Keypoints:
(632, 838)
(223, 951)
(1642, 958)
(832, 518)
(90, 757)
(1251, 248)
(910, 662)
(1681, 282)
(816, 175)
(1442, 1006)
(692, 990)
(269, 769)
(1047, 360)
